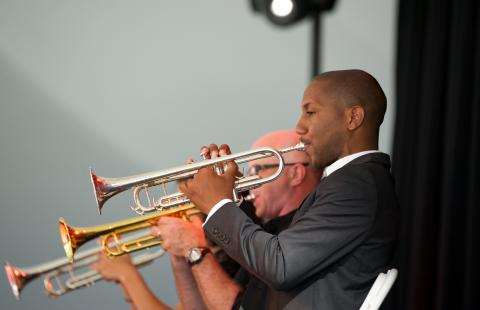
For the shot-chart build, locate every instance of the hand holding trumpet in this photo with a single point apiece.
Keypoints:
(116, 269)
(206, 188)
(178, 236)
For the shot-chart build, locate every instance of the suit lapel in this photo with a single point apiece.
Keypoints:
(375, 158)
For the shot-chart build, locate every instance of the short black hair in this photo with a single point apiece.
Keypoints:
(357, 87)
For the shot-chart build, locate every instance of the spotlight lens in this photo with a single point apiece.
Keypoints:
(281, 8)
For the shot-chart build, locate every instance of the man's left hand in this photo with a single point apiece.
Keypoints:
(206, 188)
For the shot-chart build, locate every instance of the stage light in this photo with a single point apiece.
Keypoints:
(281, 8)
(287, 12)
(281, 12)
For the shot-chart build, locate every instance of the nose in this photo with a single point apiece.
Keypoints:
(300, 128)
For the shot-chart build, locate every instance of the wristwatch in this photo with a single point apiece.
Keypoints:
(195, 255)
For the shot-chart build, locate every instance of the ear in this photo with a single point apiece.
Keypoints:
(355, 117)
(296, 174)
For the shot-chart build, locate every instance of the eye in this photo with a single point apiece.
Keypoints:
(310, 113)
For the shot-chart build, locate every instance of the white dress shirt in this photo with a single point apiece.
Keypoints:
(339, 163)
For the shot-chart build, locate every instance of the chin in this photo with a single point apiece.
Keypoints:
(318, 165)
(258, 210)
(259, 215)
(314, 162)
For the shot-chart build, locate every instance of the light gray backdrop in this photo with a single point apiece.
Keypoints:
(131, 86)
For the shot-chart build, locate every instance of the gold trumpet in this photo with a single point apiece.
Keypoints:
(53, 271)
(105, 188)
(74, 237)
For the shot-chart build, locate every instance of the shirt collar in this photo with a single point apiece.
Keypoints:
(339, 163)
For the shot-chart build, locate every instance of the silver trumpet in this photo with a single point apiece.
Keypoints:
(53, 271)
(105, 188)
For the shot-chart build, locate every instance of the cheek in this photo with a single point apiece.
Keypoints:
(325, 128)
(263, 191)
(267, 194)
(318, 125)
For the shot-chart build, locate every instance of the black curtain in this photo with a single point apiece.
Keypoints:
(436, 155)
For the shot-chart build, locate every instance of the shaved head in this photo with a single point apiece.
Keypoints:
(286, 193)
(357, 87)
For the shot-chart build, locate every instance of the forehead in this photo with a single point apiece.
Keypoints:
(264, 161)
(318, 93)
(268, 160)
(278, 140)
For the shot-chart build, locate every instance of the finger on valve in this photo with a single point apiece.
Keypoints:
(204, 152)
(224, 150)
(212, 152)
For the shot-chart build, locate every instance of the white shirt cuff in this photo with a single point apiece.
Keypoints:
(220, 204)
(215, 208)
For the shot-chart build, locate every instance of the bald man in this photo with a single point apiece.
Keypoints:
(294, 184)
(343, 234)
(274, 205)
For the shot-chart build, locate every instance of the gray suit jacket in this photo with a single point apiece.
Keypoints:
(341, 237)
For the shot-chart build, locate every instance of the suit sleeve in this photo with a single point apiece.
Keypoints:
(337, 222)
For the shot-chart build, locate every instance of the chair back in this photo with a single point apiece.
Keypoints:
(379, 290)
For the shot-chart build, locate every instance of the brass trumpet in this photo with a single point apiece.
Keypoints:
(74, 237)
(105, 188)
(52, 271)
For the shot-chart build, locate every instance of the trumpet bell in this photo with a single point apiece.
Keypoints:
(73, 238)
(68, 239)
(17, 278)
(102, 190)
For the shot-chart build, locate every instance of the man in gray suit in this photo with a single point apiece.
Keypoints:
(343, 234)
